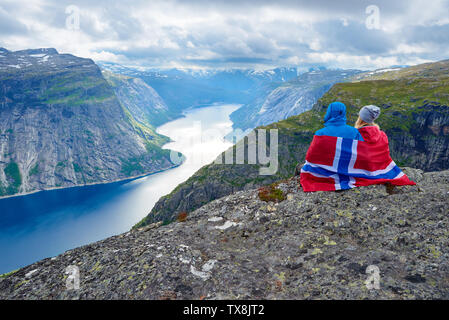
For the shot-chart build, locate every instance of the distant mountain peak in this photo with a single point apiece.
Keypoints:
(46, 51)
(49, 51)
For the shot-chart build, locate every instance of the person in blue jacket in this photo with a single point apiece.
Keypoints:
(335, 123)
(335, 126)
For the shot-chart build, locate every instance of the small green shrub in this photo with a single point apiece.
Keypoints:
(14, 177)
(132, 165)
(182, 217)
(77, 167)
(271, 193)
(34, 170)
(61, 164)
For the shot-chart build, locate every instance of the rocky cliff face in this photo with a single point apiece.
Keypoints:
(61, 125)
(288, 99)
(303, 246)
(142, 101)
(415, 116)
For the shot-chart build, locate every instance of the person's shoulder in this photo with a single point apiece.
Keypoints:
(351, 128)
(358, 136)
(356, 133)
(383, 133)
(320, 132)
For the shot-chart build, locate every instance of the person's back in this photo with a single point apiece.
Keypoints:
(339, 164)
(335, 123)
(373, 135)
(372, 153)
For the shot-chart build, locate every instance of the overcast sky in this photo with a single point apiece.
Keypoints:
(233, 33)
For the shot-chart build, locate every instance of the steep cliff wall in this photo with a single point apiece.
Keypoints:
(61, 125)
(142, 101)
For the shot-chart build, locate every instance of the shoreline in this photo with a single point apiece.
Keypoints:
(91, 184)
(183, 115)
(120, 183)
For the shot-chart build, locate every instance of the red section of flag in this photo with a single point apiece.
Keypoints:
(311, 183)
(402, 181)
(322, 150)
(375, 154)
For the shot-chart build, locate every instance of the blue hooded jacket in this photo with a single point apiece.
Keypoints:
(335, 123)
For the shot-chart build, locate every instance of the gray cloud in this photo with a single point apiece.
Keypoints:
(354, 38)
(9, 25)
(239, 33)
(437, 34)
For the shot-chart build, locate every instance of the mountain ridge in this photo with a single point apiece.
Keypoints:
(62, 125)
(289, 98)
(143, 102)
(184, 88)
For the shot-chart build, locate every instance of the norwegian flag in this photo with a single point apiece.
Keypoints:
(334, 163)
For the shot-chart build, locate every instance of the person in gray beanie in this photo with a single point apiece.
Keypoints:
(367, 115)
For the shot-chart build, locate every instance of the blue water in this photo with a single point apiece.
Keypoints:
(47, 223)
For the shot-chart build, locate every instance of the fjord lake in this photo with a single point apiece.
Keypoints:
(48, 223)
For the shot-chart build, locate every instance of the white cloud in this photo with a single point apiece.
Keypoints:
(107, 56)
(348, 61)
(404, 48)
(233, 32)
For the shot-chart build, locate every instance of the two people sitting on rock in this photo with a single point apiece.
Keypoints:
(342, 157)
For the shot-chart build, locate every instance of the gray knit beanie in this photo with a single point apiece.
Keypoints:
(369, 113)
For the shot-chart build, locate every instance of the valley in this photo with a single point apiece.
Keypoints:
(47, 223)
(103, 137)
(61, 125)
(156, 150)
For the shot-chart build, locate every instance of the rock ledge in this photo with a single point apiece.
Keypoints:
(309, 246)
